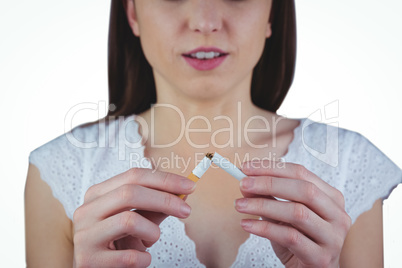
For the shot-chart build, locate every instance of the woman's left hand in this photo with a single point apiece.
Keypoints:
(307, 231)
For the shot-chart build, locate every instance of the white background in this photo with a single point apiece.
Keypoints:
(53, 55)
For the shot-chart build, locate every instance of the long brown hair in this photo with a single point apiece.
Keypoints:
(131, 81)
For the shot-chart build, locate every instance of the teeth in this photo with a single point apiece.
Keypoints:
(205, 55)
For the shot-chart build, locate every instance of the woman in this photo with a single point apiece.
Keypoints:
(198, 61)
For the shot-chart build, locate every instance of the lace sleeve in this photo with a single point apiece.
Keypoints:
(370, 175)
(61, 167)
(87, 155)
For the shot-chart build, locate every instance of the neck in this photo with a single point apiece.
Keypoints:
(216, 120)
(207, 127)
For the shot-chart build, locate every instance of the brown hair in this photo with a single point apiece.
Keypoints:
(131, 81)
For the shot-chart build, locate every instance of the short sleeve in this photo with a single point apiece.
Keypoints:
(369, 175)
(87, 155)
(60, 164)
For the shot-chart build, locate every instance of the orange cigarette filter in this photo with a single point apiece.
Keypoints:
(199, 170)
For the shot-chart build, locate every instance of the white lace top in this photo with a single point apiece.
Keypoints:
(90, 154)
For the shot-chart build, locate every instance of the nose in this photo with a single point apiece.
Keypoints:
(205, 16)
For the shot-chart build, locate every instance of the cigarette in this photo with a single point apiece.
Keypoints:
(227, 166)
(199, 170)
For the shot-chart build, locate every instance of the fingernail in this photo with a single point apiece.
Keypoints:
(187, 184)
(246, 224)
(241, 203)
(185, 210)
(247, 183)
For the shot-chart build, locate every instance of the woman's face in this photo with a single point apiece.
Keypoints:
(170, 29)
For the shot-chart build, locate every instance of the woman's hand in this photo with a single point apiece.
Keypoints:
(108, 234)
(307, 231)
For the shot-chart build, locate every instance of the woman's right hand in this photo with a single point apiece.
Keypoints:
(108, 234)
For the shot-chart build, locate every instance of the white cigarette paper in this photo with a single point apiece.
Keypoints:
(198, 171)
(202, 167)
(227, 166)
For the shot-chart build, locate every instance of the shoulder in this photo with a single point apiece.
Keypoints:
(329, 143)
(89, 137)
(343, 149)
(86, 155)
(348, 161)
(80, 137)
(338, 146)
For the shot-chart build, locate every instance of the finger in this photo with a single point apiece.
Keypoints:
(124, 224)
(301, 246)
(295, 214)
(121, 258)
(159, 180)
(155, 217)
(247, 194)
(128, 242)
(142, 198)
(132, 196)
(295, 190)
(292, 171)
